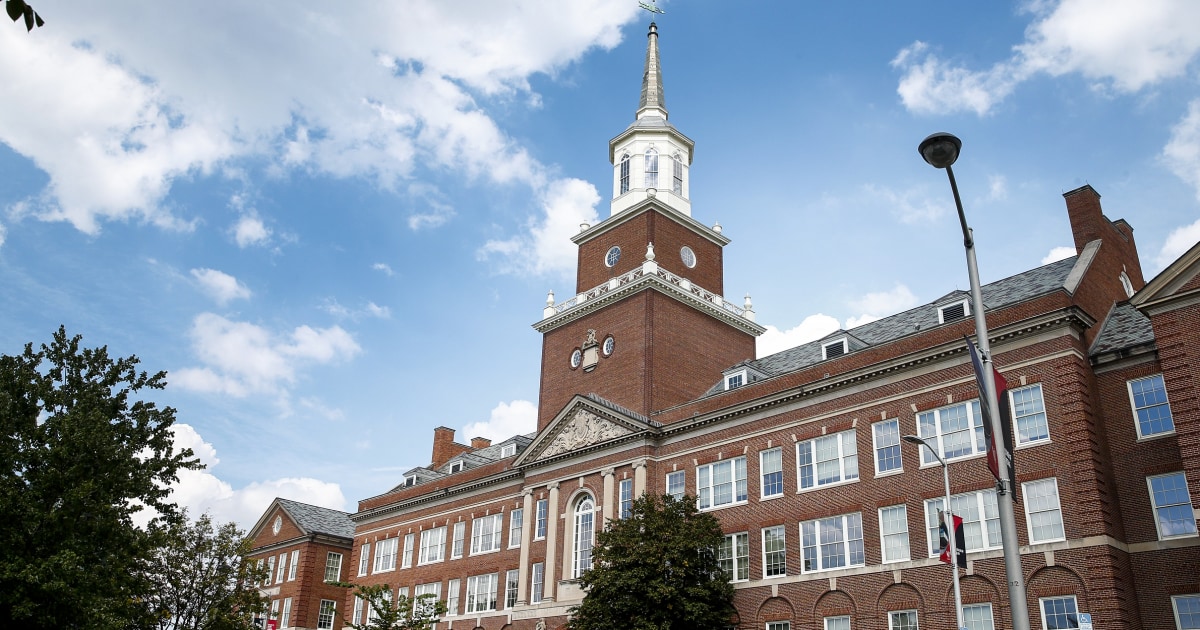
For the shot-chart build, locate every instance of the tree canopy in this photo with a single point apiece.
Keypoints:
(400, 613)
(80, 453)
(656, 570)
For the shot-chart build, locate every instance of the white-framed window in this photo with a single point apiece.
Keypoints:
(274, 609)
(774, 542)
(827, 460)
(626, 498)
(456, 466)
(721, 483)
(624, 175)
(516, 519)
(779, 625)
(409, 540)
(1029, 411)
(893, 533)
(258, 566)
(1187, 611)
(676, 484)
(510, 588)
(735, 380)
(508, 450)
(429, 603)
(333, 567)
(903, 620)
(841, 622)
(1126, 284)
(953, 312)
(651, 168)
(433, 545)
(978, 617)
(957, 430)
(539, 529)
(537, 584)
(452, 589)
(1059, 612)
(770, 462)
(584, 529)
(1149, 399)
(364, 558)
(385, 555)
(384, 603)
(734, 556)
(460, 534)
(885, 438)
(1043, 512)
(481, 593)
(677, 180)
(285, 620)
(270, 571)
(325, 614)
(293, 566)
(279, 575)
(834, 349)
(831, 543)
(981, 520)
(1172, 503)
(356, 615)
(485, 533)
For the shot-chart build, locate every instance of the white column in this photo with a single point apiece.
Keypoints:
(607, 474)
(552, 542)
(526, 534)
(639, 478)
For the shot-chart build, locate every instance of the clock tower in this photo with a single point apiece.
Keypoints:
(648, 327)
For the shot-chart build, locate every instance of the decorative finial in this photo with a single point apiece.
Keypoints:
(584, 226)
(717, 227)
(748, 305)
(550, 298)
(650, 251)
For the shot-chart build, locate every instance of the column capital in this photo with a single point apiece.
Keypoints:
(552, 486)
(527, 492)
(641, 463)
(607, 472)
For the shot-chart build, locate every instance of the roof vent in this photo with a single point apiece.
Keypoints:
(953, 312)
(834, 349)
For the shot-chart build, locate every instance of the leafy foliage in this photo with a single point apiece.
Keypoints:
(656, 570)
(80, 454)
(402, 613)
(203, 580)
(18, 9)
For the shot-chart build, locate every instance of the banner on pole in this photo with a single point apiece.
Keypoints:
(960, 540)
(997, 451)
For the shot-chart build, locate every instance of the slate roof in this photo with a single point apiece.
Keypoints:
(1125, 327)
(622, 410)
(318, 520)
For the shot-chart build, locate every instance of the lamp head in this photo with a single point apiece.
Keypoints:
(912, 439)
(940, 149)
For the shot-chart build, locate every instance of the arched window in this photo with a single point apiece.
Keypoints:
(677, 183)
(651, 168)
(584, 529)
(624, 174)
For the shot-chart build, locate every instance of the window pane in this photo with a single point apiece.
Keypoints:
(887, 445)
(1042, 510)
(978, 617)
(1150, 404)
(1172, 505)
(1059, 612)
(1187, 611)
(1030, 412)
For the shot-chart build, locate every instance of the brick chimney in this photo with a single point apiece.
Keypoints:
(1088, 222)
(444, 446)
(479, 442)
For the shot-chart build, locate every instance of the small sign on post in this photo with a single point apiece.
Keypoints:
(1085, 621)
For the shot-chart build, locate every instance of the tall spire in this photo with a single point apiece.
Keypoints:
(653, 102)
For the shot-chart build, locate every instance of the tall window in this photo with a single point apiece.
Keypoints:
(1059, 612)
(428, 603)
(285, 621)
(510, 588)
(1149, 398)
(677, 183)
(539, 530)
(516, 519)
(481, 593)
(626, 498)
(1187, 611)
(282, 568)
(364, 558)
(827, 460)
(356, 616)
(893, 532)
(886, 438)
(325, 614)
(774, 551)
(1030, 413)
(1173, 514)
(957, 431)
(721, 483)
(978, 617)
(675, 484)
(1043, 513)
(771, 463)
(294, 565)
(902, 620)
(433, 545)
(452, 588)
(485, 533)
(409, 539)
(779, 625)
(734, 556)
(651, 168)
(270, 571)
(537, 585)
(460, 533)
(584, 529)
(981, 520)
(624, 174)
(385, 555)
(830, 543)
(837, 623)
(333, 567)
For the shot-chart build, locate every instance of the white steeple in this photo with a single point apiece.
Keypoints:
(651, 158)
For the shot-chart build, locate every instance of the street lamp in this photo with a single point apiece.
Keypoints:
(949, 520)
(941, 150)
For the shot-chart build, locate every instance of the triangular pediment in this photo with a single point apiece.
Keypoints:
(585, 422)
(1180, 279)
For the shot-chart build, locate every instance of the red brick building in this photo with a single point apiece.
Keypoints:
(649, 384)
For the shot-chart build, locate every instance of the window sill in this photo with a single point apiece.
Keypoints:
(723, 507)
(1031, 444)
(960, 458)
(1156, 436)
(832, 569)
(889, 473)
(1179, 537)
(484, 552)
(828, 485)
(772, 497)
(425, 564)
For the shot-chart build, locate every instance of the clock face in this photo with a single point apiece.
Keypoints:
(609, 345)
(277, 525)
(576, 358)
(613, 255)
(688, 256)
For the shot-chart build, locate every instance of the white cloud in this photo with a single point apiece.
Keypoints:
(812, 328)
(880, 304)
(1182, 153)
(1119, 45)
(910, 206)
(1178, 241)
(437, 212)
(3, 231)
(1058, 253)
(321, 409)
(384, 267)
(220, 286)
(250, 230)
(547, 248)
(997, 188)
(508, 419)
(240, 358)
(371, 309)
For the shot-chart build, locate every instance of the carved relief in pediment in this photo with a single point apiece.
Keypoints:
(584, 429)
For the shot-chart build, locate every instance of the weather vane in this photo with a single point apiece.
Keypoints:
(652, 7)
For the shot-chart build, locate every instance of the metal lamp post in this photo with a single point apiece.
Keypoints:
(940, 150)
(949, 519)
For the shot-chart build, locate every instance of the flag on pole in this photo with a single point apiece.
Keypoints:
(960, 540)
(997, 451)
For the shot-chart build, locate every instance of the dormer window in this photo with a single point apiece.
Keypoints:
(651, 168)
(735, 380)
(953, 312)
(508, 450)
(677, 184)
(456, 466)
(410, 481)
(834, 349)
(624, 176)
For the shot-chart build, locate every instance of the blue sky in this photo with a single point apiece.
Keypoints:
(333, 226)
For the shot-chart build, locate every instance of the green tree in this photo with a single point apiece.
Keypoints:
(80, 453)
(202, 579)
(656, 570)
(403, 613)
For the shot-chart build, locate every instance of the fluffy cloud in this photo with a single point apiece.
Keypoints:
(910, 206)
(384, 267)
(220, 286)
(1058, 253)
(547, 247)
(241, 358)
(1122, 46)
(371, 309)
(507, 419)
(250, 230)
(1178, 241)
(877, 305)
(1182, 153)
(812, 328)
(2, 233)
